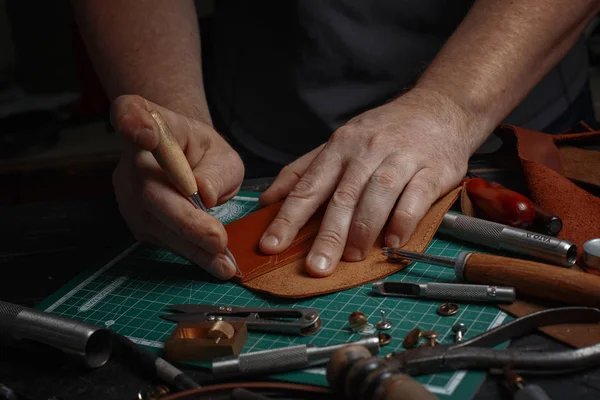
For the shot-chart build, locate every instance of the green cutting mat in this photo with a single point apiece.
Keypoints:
(129, 293)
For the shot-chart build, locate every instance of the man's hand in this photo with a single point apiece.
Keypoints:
(414, 149)
(152, 207)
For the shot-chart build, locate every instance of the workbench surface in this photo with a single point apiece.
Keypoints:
(41, 248)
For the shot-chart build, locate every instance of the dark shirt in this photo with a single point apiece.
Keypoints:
(286, 74)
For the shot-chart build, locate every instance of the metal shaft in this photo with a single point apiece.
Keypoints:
(503, 237)
(282, 359)
(423, 257)
(197, 201)
(89, 343)
(446, 291)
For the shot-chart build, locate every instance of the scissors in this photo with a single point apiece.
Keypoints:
(295, 321)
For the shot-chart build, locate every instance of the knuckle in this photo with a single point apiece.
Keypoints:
(346, 196)
(342, 133)
(331, 238)
(304, 189)
(289, 171)
(406, 217)
(377, 141)
(283, 220)
(385, 179)
(150, 193)
(361, 228)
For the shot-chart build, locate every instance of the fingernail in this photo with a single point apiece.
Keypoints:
(353, 254)
(319, 262)
(269, 241)
(392, 241)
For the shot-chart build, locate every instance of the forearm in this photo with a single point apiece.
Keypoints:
(146, 47)
(501, 50)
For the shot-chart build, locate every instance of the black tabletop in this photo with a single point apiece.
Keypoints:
(41, 248)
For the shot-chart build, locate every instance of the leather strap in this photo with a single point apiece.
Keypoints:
(476, 354)
(278, 387)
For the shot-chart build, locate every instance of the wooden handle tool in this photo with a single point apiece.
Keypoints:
(529, 278)
(173, 161)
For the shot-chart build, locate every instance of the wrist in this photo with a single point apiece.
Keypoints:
(466, 124)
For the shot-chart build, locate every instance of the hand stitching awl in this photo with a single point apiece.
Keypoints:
(170, 157)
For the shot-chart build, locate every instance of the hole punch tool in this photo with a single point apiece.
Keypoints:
(293, 321)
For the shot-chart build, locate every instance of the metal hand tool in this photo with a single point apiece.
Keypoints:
(90, 344)
(171, 159)
(530, 278)
(478, 353)
(283, 359)
(503, 237)
(522, 391)
(295, 321)
(446, 291)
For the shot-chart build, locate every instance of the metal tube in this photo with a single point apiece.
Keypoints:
(89, 343)
(504, 237)
(446, 291)
(282, 359)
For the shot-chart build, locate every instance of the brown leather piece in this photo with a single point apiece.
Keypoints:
(581, 165)
(292, 281)
(244, 236)
(548, 163)
(576, 335)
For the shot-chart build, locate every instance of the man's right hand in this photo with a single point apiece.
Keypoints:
(152, 207)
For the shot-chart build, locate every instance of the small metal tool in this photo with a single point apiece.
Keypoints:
(591, 253)
(294, 321)
(384, 324)
(529, 278)
(283, 359)
(503, 237)
(173, 161)
(459, 330)
(445, 291)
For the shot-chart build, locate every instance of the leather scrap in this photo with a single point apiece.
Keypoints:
(292, 281)
(549, 165)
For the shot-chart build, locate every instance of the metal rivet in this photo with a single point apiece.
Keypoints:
(412, 339)
(431, 336)
(459, 329)
(384, 324)
(358, 321)
(447, 309)
(384, 338)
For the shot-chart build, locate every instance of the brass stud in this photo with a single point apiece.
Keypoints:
(412, 339)
(358, 321)
(447, 309)
(384, 338)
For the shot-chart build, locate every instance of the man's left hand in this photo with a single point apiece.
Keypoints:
(394, 160)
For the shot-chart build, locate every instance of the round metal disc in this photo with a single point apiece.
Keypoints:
(591, 253)
(447, 309)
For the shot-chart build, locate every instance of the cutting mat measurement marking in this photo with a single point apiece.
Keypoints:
(129, 293)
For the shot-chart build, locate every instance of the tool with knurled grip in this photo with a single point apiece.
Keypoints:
(446, 291)
(543, 281)
(514, 240)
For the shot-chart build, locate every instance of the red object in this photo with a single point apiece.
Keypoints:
(501, 205)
